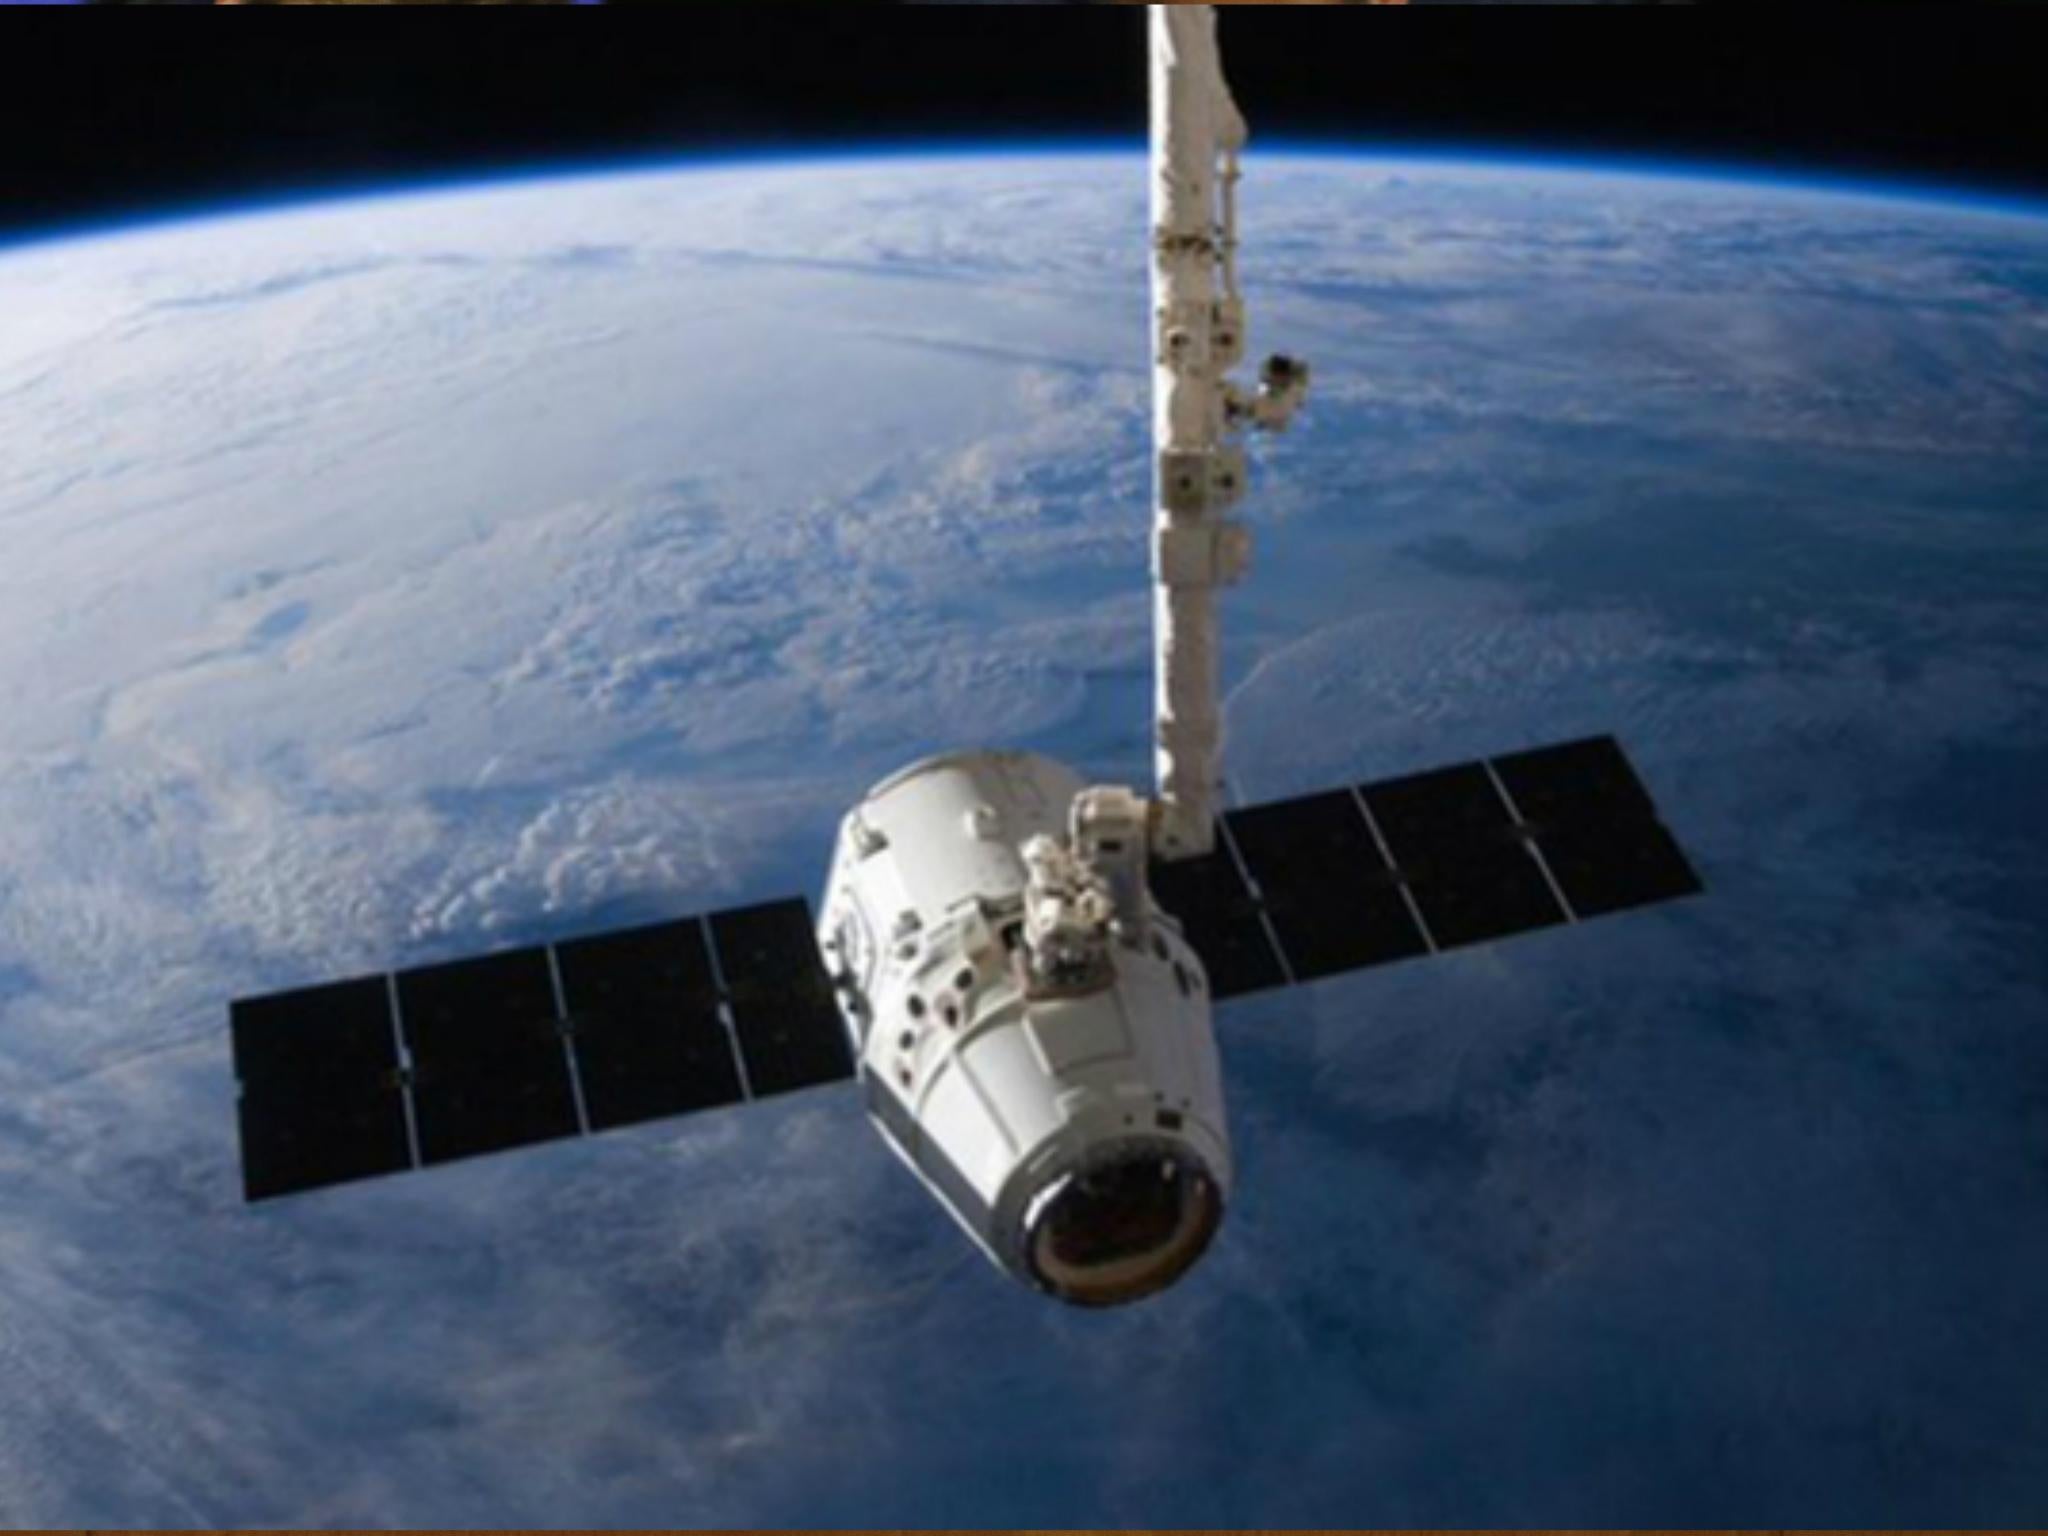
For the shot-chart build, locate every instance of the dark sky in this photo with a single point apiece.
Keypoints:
(103, 113)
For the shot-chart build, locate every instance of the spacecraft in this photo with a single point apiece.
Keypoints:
(1017, 969)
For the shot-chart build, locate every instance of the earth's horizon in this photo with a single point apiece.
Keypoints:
(1928, 193)
(395, 577)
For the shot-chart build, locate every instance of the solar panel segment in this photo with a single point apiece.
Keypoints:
(1220, 918)
(1597, 826)
(647, 1033)
(322, 1101)
(1334, 902)
(789, 1029)
(1420, 814)
(1457, 845)
(1474, 892)
(489, 1071)
(1612, 867)
(1575, 781)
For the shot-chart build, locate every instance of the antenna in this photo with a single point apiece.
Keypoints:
(1199, 320)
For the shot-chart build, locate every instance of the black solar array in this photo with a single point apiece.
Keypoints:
(1221, 919)
(1384, 871)
(321, 1098)
(1597, 826)
(531, 1045)
(789, 1029)
(1461, 855)
(1334, 904)
(488, 1069)
(650, 1041)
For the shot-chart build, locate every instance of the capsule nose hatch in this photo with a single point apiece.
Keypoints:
(1123, 1227)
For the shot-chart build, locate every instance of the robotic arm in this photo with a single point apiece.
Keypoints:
(1094, 880)
(1199, 328)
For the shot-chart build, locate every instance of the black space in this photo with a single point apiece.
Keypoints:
(107, 113)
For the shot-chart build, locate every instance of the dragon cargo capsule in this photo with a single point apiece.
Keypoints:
(1061, 1100)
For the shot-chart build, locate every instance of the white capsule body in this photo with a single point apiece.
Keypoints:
(1079, 1140)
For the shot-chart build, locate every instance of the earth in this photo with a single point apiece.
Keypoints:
(397, 577)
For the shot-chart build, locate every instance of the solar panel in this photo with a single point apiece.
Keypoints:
(1334, 903)
(1423, 812)
(1429, 861)
(643, 1009)
(789, 1029)
(1464, 858)
(1612, 868)
(1220, 919)
(321, 1100)
(489, 1070)
(1588, 780)
(1597, 826)
(531, 1045)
